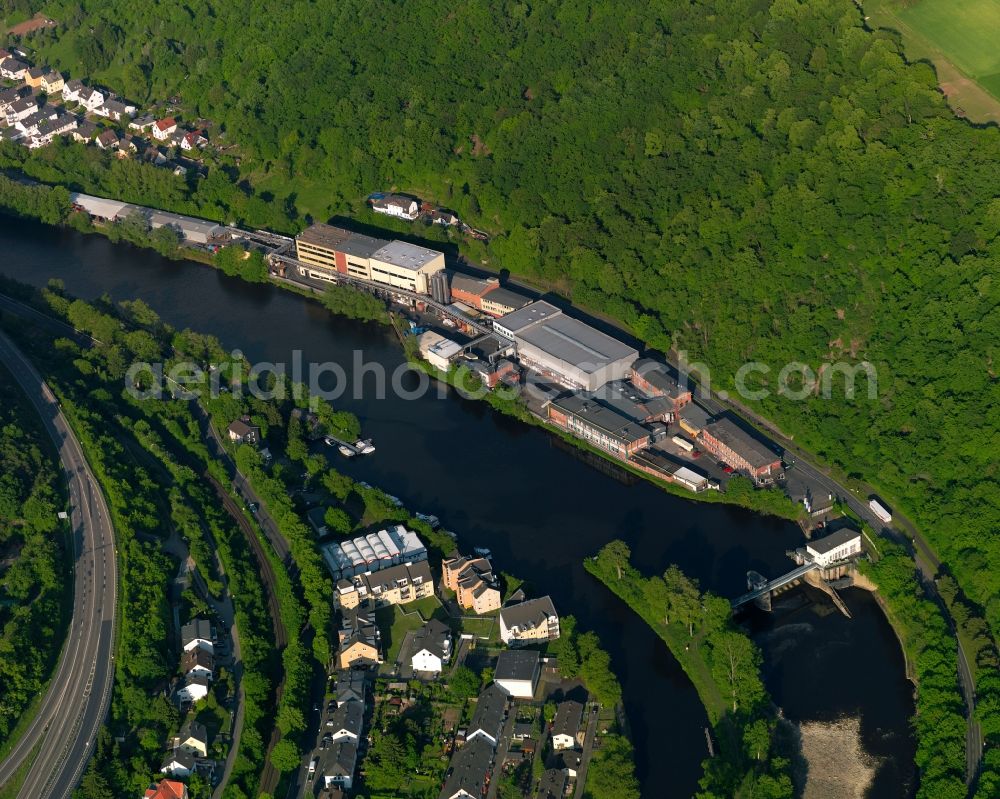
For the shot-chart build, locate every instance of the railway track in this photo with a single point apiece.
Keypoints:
(270, 775)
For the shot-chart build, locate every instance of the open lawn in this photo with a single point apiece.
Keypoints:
(394, 625)
(960, 38)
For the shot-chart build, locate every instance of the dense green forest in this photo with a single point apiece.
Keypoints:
(738, 178)
(755, 752)
(34, 561)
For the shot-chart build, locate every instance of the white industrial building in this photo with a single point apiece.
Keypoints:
(405, 266)
(565, 349)
(838, 546)
(369, 553)
(194, 231)
(437, 350)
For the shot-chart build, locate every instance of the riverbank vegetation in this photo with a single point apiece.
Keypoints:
(940, 721)
(753, 758)
(35, 559)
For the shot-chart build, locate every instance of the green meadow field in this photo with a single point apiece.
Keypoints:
(961, 38)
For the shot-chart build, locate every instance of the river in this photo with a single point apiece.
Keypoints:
(541, 510)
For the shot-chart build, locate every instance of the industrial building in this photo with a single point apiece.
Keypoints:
(564, 349)
(598, 424)
(655, 379)
(437, 350)
(406, 266)
(372, 552)
(838, 546)
(502, 301)
(193, 231)
(733, 445)
(334, 250)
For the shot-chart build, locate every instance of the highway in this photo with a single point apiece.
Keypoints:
(66, 724)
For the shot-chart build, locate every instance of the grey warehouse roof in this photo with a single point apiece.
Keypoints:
(571, 341)
(602, 417)
(503, 296)
(406, 255)
(528, 315)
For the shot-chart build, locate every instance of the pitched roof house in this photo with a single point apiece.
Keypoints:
(198, 633)
(566, 727)
(167, 789)
(193, 738)
(162, 128)
(178, 763)
(431, 647)
(487, 720)
(529, 622)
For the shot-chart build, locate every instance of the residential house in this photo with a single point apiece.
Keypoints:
(469, 772)
(12, 69)
(338, 763)
(52, 82)
(431, 647)
(397, 205)
(85, 131)
(241, 432)
(21, 108)
(142, 123)
(533, 621)
(346, 721)
(72, 91)
(55, 125)
(350, 686)
(359, 639)
(395, 585)
(488, 717)
(193, 140)
(742, 450)
(10, 95)
(473, 581)
(198, 633)
(567, 727)
(198, 662)
(115, 109)
(517, 672)
(33, 77)
(194, 689)
(163, 128)
(178, 764)
(193, 738)
(552, 784)
(167, 789)
(92, 99)
(107, 139)
(28, 126)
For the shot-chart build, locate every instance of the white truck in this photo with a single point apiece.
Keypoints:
(683, 443)
(880, 510)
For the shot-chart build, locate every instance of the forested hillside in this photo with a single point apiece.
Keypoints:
(34, 568)
(745, 179)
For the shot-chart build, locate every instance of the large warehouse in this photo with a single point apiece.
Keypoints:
(565, 349)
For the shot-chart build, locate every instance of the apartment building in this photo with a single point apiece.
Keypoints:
(472, 579)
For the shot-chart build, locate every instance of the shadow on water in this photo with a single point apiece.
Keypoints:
(539, 508)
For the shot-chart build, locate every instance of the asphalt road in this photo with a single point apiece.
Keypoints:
(79, 694)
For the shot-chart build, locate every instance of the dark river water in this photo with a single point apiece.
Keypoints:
(541, 510)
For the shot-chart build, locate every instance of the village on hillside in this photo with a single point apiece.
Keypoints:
(39, 104)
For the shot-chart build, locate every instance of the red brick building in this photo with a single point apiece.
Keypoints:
(733, 445)
(654, 378)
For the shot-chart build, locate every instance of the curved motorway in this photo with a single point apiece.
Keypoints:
(77, 701)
